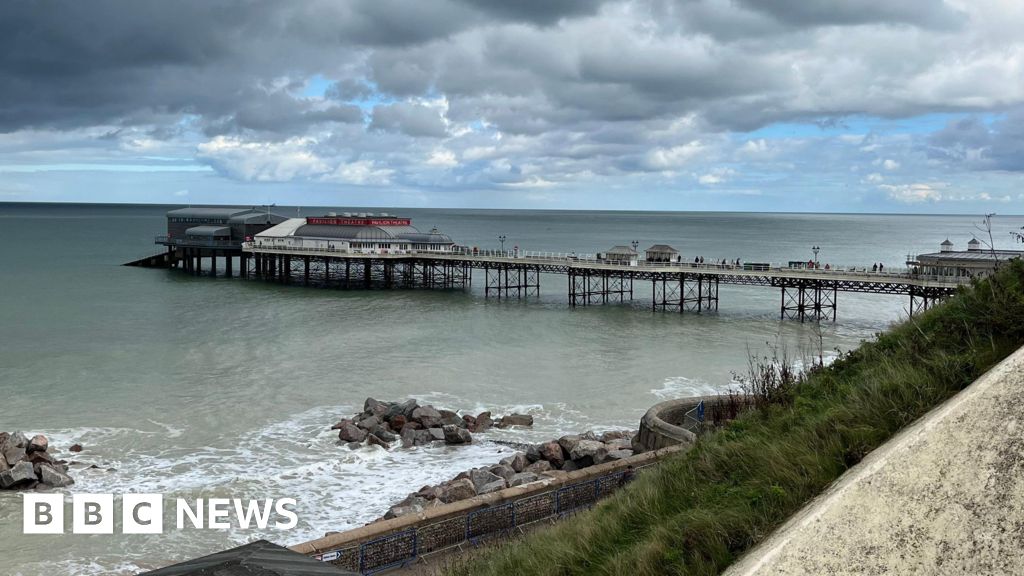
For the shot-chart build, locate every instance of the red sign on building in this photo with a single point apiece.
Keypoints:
(333, 221)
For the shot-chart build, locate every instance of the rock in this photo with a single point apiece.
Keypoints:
(519, 462)
(368, 423)
(481, 477)
(570, 466)
(53, 477)
(458, 489)
(533, 453)
(39, 457)
(619, 454)
(341, 424)
(430, 492)
(398, 422)
(14, 454)
(38, 443)
(554, 453)
(3, 438)
(516, 420)
(4, 466)
(619, 444)
(495, 486)
(20, 473)
(427, 416)
(408, 436)
(18, 440)
(506, 472)
(449, 417)
(589, 452)
(383, 433)
(589, 435)
(76, 448)
(404, 409)
(351, 433)
(484, 421)
(436, 434)
(610, 435)
(425, 437)
(376, 440)
(470, 422)
(539, 467)
(411, 505)
(455, 435)
(568, 442)
(523, 478)
(374, 407)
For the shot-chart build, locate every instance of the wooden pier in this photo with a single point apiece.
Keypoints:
(805, 294)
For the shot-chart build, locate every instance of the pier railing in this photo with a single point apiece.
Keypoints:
(571, 259)
(196, 243)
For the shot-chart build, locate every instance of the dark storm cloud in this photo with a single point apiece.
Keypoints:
(477, 91)
(409, 119)
(931, 13)
(974, 144)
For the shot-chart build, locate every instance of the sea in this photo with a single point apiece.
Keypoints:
(200, 387)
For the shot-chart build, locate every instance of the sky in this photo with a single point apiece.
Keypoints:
(760, 105)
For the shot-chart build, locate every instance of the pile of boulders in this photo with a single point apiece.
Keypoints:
(382, 423)
(537, 462)
(26, 464)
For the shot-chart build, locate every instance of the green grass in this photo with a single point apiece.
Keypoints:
(697, 512)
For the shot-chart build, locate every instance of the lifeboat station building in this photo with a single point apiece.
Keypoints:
(363, 233)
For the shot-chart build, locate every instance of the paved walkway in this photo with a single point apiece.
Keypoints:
(945, 496)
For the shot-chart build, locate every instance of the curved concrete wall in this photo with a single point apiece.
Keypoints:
(665, 424)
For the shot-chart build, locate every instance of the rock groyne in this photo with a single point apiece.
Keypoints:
(26, 464)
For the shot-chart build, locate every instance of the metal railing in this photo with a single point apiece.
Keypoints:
(475, 527)
(196, 243)
(586, 260)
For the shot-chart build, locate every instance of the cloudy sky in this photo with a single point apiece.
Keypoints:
(831, 105)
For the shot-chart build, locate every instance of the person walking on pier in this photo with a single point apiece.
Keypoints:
(874, 267)
(880, 267)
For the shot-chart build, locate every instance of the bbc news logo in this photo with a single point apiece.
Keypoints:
(144, 514)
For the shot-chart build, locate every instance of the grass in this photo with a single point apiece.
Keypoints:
(697, 512)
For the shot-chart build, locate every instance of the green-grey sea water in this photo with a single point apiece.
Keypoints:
(193, 387)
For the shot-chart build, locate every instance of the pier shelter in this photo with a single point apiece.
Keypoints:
(661, 253)
(975, 262)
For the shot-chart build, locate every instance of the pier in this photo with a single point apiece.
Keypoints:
(385, 251)
(805, 294)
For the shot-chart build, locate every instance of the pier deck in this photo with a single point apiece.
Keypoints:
(804, 293)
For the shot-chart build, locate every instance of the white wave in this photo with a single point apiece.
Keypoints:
(682, 387)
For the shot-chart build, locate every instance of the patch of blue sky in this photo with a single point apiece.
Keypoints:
(316, 86)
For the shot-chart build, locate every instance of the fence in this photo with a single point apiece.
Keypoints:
(381, 552)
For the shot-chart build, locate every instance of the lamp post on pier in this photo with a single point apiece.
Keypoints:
(815, 249)
(635, 244)
(502, 240)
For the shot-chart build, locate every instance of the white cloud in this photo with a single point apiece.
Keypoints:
(442, 157)
(263, 161)
(362, 172)
(914, 193)
(675, 156)
(716, 176)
